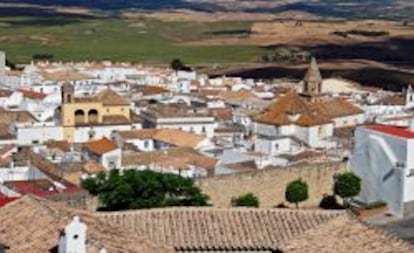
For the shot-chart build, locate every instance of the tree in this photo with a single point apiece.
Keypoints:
(297, 191)
(248, 199)
(177, 64)
(347, 185)
(132, 189)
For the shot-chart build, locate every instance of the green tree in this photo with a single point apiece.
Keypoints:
(297, 191)
(132, 189)
(177, 64)
(347, 185)
(248, 199)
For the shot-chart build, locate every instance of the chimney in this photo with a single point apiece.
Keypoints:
(73, 238)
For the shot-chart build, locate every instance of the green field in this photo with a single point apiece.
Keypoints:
(143, 40)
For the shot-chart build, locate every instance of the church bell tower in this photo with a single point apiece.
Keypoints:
(68, 92)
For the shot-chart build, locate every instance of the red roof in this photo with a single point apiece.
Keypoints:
(5, 199)
(41, 188)
(32, 94)
(402, 132)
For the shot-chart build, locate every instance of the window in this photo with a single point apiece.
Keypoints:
(203, 129)
(277, 146)
(146, 144)
(192, 129)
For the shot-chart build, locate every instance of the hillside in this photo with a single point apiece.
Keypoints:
(351, 9)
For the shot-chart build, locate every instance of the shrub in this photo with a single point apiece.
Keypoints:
(297, 191)
(133, 189)
(248, 199)
(347, 185)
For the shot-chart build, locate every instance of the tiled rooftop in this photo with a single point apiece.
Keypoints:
(221, 229)
(178, 158)
(292, 104)
(31, 224)
(100, 147)
(174, 137)
(192, 228)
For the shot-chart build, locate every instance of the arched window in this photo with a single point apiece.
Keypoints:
(93, 116)
(79, 117)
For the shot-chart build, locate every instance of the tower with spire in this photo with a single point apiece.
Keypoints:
(312, 82)
(409, 97)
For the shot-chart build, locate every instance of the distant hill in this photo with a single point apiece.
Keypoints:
(107, 4)
(360, 9)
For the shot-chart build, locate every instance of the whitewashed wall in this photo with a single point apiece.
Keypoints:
(39, 134)
(373, 159)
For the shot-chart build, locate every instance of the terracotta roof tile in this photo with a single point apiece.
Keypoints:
(31, 224)
(100, 147)
(110, 97)
(7, 117)
(221, 229)
(291, 104)
(179, 138)
(115, 120)
(32, 94)
(391, 100)
(154, 90)
(343, 235)
(92, 167)
(107, 97)
(138, 134)
(61, 145)
(50, 169)
(237, 96)
(224, 114)
(5, 132)
(178, 158)
(337, 108)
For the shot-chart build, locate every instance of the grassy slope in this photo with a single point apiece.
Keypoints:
(115, 39)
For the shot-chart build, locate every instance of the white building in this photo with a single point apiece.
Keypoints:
(10, 99)
(390, 105)
(274, 146)
(383, 157)
(146, 140)
(292, 116)
(185, 119)
(38, 132)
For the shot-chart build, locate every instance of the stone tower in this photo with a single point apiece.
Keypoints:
(68, 93)
(312, 83)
